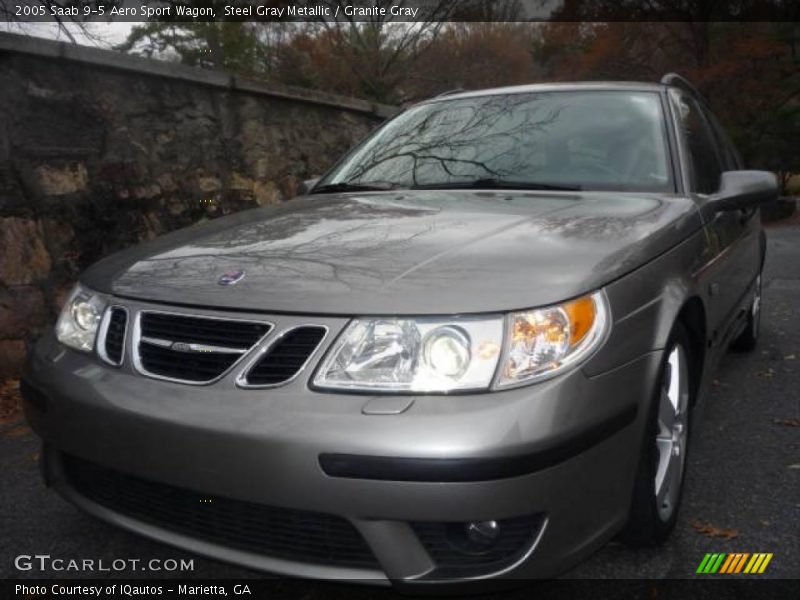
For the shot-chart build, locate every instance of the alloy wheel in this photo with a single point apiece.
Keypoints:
(755, 309)
(672, 431)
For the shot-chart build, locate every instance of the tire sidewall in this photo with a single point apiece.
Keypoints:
(645, 526)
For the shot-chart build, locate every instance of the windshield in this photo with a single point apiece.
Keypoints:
(588, 140)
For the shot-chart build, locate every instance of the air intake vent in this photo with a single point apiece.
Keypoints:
(289, 534)
(193, 349)
(287, 357)
(114, 343)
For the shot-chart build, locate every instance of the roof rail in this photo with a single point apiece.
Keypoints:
(676, 80)
(448, 92)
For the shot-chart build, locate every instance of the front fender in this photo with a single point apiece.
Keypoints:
(646, 303)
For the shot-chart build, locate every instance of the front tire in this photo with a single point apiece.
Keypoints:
(658, 487)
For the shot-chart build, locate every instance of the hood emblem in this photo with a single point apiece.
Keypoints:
(231, 277)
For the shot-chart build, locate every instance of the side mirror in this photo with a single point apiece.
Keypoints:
(740, 190)
(306, 186)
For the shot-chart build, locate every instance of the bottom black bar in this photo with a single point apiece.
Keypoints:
(169, 589)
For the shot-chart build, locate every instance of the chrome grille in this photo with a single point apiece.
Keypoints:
(192, 349)
(285, 358)
(211, 331)
(111, 346)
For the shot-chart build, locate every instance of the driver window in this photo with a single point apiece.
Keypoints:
(706, 167)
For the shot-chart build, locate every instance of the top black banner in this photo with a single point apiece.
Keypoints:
(408, 11)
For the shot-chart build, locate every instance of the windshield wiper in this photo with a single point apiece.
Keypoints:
(369, 186)
(491, 183)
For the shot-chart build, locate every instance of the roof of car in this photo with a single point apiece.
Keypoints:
(636, 86)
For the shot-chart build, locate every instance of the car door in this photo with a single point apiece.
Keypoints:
(733, 235)
(746, 222)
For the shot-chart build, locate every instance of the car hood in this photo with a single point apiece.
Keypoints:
(410, 252)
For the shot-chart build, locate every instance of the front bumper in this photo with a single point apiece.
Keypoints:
(571, 443)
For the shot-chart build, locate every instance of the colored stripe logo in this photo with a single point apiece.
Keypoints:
(736, 562)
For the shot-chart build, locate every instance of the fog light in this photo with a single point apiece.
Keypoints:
(483, 533)
(474, 537)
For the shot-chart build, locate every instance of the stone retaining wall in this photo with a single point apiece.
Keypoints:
(99, 150)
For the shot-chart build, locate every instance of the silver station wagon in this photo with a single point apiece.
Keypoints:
(469, 351)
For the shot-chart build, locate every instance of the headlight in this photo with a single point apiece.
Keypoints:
(416, 355)
(79, 319)
(543, 342)
(463, 353)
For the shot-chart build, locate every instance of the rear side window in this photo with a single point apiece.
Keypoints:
(733, 160)
(703, 155)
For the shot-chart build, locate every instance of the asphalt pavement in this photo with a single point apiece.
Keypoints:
(742, 489)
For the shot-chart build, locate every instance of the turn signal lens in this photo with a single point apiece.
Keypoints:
(545, 341)
(581, 313)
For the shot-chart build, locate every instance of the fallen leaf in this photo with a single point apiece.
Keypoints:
(789, 357)
(787, 422)
(715, 383)
(765, 523)
(35, 456)
(766, 374)
(713, 531)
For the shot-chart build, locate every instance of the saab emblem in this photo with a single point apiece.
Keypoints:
(231, 277)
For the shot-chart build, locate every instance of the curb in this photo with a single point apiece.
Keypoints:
(13, 424)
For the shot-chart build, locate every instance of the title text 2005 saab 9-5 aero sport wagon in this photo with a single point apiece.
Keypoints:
(470, 351)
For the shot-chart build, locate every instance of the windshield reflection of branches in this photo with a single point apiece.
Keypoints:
(490, 138)
(591, 140)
